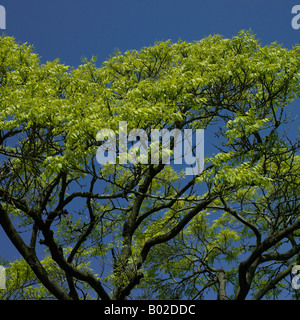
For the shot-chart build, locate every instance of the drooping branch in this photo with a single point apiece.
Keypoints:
(31, 258)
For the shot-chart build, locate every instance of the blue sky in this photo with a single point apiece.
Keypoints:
(73, 29)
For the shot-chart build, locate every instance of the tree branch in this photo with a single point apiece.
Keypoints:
(173, 232)
(31, 258)
(222, 285)
(272, 283)
(246, 267)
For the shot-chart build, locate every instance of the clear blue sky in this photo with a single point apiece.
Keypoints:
(72, 29)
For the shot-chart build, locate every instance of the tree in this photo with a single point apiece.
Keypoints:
(120, 231)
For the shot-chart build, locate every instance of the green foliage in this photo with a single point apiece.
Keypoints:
(103, 231)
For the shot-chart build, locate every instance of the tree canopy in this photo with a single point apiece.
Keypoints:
(148, 231)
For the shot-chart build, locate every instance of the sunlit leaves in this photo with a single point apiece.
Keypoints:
(49, 119)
